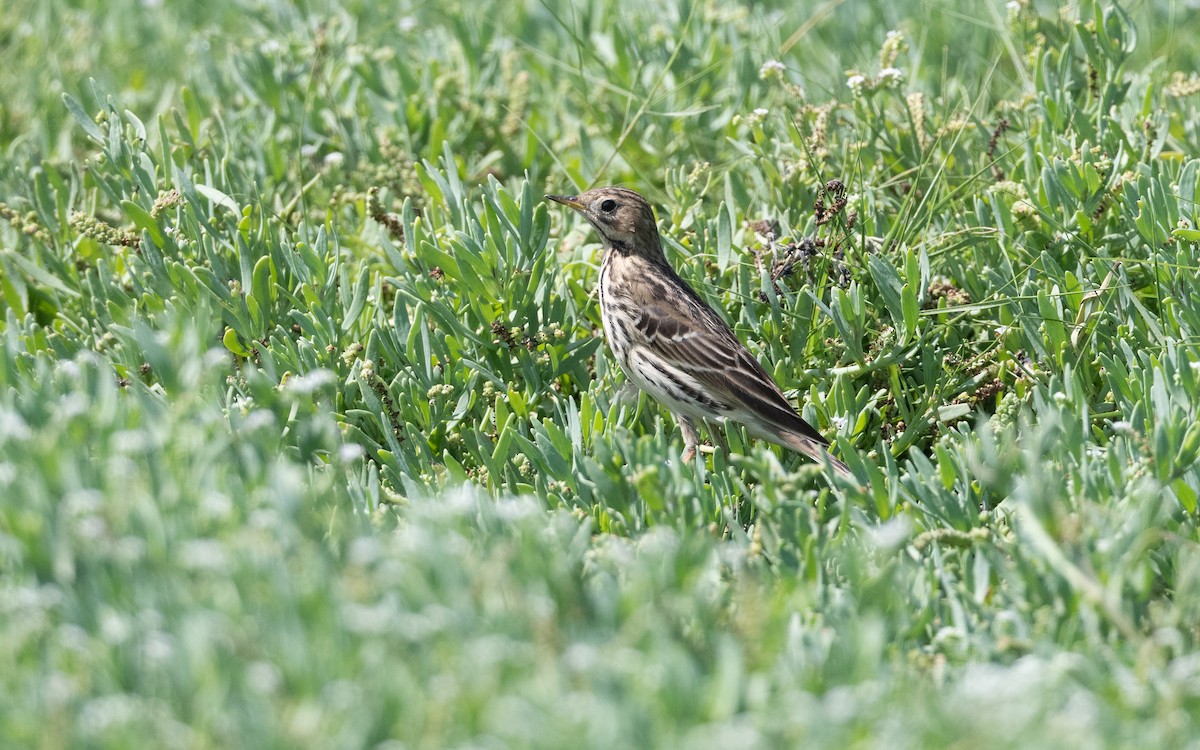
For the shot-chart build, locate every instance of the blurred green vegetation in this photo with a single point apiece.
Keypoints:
(308, 436)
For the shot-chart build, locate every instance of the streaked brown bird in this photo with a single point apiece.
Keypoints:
(671, 344)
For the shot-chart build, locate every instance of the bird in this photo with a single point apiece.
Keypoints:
(675, 347)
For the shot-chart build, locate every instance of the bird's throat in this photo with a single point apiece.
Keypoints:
(619, 247)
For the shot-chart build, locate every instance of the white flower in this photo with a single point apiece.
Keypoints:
(891, 77)
(348, 453)
(1023, 209)
(771, 69)
(856, 83)
(755, 117)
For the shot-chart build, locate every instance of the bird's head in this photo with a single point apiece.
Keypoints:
(623, 218)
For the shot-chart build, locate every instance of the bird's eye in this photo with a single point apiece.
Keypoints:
(608, 205)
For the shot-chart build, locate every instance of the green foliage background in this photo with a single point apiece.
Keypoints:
(308, 436)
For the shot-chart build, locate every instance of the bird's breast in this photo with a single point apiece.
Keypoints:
(618, 314)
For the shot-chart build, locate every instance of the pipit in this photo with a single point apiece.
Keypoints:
(675, 347)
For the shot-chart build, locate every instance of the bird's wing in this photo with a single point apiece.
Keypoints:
(686, 334)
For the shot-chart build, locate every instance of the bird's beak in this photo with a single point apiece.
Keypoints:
(571, 201)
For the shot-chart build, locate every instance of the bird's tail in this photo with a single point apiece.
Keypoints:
(814, 450)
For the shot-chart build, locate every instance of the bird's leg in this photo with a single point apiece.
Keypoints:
(691, 438)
